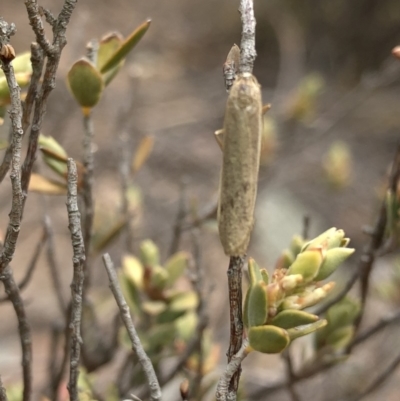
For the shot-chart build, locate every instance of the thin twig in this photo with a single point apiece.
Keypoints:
(17, 133)
(379, 380)
(152, 381)
(87, 190)
(52, 366)
(37, 61)
(3, 394)
(36, 23)
(57, 377)
(382, 324)
(290, 375)
(74, 219)
(226, 378)
(53, 53)
(202, 309)
(377, 238)
(31, 266)
(248, 43)
(23, 327)
(180, 218)
(235, 313)
(306, 226)
(54, 269)
(15, 215)
(370, 250)
(125, 152)
(208, 212)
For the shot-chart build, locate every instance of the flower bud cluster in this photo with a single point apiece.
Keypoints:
(273, 308)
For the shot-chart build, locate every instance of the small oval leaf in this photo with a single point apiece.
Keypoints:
(85, 83)
(268, 339)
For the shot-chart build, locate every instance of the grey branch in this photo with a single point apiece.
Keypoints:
(31, 266)
(155, 390)
(231, 369)
(74, 226)
(15, 215)
(87, 190)
(14, 296)
(16, 142)
(248, 43)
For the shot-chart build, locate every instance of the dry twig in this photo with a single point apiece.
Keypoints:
(152, 381)
(248, 43)
(223, 393)
(13, 228)
(180, 218)
(78, 259)
(31, 266)
(290, 375)
(379, 380)
(54, 270)
(87, 190)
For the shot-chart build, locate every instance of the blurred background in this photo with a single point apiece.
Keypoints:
(327, 70)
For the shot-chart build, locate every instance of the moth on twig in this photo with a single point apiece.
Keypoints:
(241, 159)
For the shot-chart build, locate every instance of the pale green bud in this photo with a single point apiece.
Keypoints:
(289, 283)
(265, 276)
(257, 306)
(307, 263)
(301, 331)
(333, 259)
(296, 244)
(254, 272)
(331, 238)
(159, 277)
(149, 254)
(290, 318)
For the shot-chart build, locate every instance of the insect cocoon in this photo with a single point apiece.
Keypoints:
(241, 159)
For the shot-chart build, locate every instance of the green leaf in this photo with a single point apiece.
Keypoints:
(255, 275)
(126, 47)
(333, 259)
(290, 318)
(343, 313)
(268, 339)
(257, 307)
(86, 83)
(107, 47)
(133, 270)
(307, 264)
(176, 266)
(184, 301)
(149, 253)
(301, 331)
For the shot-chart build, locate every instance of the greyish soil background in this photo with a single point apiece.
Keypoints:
(172, 88)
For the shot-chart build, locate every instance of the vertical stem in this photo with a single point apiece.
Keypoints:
(87, 192)
(23, 327)
(248, 43)
(74, 218)
(236, 322)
